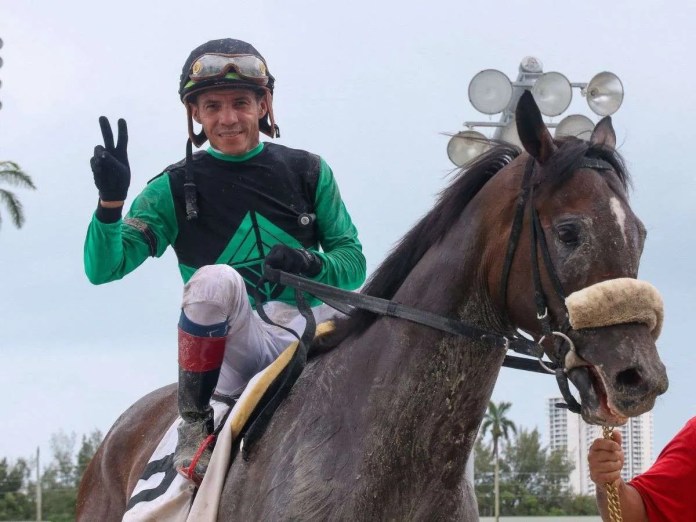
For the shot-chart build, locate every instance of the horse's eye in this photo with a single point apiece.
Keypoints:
(568, 233)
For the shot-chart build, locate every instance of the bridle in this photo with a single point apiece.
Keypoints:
(347, 302)
(563, 346)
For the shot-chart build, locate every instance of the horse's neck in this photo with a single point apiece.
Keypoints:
(426, 391)
(388, 415)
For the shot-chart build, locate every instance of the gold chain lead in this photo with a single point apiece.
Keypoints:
(612, 492)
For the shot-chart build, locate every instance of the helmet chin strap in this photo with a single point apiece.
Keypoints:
(197, 139)
(274, 131)
(190, 196)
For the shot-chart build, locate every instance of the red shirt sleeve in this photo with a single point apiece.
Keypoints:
(668, 488)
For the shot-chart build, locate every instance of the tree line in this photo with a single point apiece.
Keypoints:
(532, 480)
(60, 478)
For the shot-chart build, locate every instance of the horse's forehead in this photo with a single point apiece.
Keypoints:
(619, 212)
(619, 227)
(585, 189)
(586, 186)
(601, 199)
(613, 228)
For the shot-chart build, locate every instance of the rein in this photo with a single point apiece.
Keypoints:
(347, 301)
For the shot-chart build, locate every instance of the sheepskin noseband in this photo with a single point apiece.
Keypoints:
(616, 301)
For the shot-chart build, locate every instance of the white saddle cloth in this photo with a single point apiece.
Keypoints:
(162, 494)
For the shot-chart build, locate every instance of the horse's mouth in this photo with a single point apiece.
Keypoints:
(597, 407)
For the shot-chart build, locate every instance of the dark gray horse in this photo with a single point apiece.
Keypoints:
(381, 427)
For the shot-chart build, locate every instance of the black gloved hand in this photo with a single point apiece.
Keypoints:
(293, 260)
(110, 164)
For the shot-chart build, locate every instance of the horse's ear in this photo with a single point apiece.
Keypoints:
(603, 133)
(534, 135)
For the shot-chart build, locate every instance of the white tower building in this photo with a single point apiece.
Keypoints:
(568, 431)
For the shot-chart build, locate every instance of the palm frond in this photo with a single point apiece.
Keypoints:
(13, 174)
(496, 422)
(14, 206)
(9, 165)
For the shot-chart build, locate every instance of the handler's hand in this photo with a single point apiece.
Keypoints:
(110, 163)
(606, 459)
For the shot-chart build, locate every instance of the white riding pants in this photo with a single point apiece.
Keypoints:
(217, 294)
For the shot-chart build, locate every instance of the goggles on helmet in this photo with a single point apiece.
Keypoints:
(213, 65)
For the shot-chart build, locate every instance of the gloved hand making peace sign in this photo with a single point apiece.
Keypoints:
(110, 164)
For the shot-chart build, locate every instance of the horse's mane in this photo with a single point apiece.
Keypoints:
(467, 182)
(404, 256)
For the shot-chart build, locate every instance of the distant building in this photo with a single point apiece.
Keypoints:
(569, 432)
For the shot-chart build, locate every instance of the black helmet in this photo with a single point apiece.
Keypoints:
(225, 63)
(221, 59)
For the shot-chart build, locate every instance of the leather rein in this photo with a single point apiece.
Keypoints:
(346, 301)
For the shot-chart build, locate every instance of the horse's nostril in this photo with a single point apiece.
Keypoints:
(630, 377)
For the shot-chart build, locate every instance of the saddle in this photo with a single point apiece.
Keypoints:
(163, 494)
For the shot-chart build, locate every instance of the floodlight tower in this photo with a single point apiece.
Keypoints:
(492, 92)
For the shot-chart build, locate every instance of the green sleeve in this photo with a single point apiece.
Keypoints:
(343, 260)
(113, 250)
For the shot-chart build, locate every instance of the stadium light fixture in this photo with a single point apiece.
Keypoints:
(492, 92)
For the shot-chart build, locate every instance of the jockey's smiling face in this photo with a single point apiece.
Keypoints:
(230, 118)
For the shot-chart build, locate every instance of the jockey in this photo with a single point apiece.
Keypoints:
(225, 211)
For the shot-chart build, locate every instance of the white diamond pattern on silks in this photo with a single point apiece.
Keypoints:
(248, 247)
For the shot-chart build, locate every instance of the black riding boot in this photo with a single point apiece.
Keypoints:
(200, 359)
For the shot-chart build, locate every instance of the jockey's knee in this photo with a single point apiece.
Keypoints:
(215, 290)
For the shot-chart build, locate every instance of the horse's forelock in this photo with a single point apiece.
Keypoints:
(569, 156)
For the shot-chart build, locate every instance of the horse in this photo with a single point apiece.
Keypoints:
(381, 426)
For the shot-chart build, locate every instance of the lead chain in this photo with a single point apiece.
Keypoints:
(612, 492)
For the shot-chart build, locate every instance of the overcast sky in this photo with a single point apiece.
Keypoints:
(372, 87)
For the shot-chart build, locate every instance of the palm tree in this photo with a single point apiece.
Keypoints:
(12, 174)
(498, 424)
